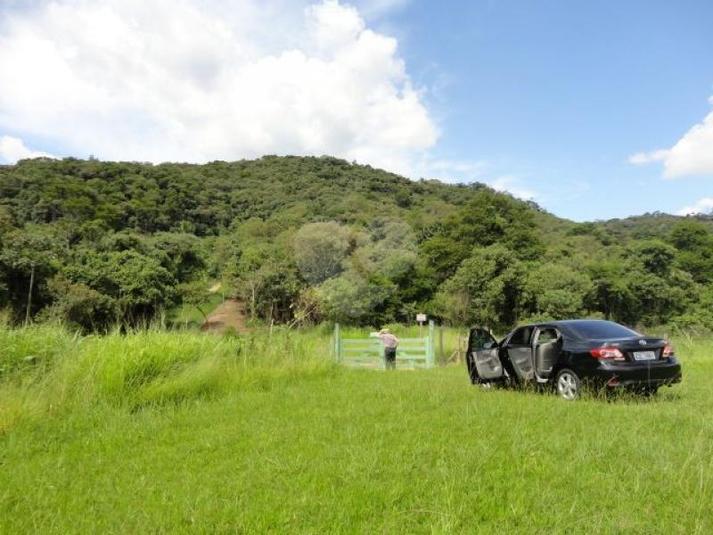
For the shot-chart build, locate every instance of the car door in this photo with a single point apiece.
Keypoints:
(483, 359)
(546, 347)
(518, 349)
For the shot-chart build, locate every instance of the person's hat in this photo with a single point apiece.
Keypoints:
(384, 331)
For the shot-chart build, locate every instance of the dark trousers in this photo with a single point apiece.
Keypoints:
(390, 358)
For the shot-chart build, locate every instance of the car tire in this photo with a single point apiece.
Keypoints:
(568, 385)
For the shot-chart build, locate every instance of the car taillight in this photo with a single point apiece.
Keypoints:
(667, 351)
(607, 353)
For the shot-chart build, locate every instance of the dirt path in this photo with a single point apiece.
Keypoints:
(229, 314)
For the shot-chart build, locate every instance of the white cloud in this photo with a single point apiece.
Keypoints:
(197, 80)
(447, 170)
(513, 185)
(641, 158)
(13, 149)
(479, 171)
(701, 206)
(691, 155)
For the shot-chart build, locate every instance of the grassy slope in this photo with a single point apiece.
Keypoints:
(363, 451)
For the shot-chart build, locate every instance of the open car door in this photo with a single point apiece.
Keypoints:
(546, 345)
(483, 356)
(518, 350)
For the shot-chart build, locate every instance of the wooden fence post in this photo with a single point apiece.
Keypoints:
(337, 345)
(441, 353)
(430, 349)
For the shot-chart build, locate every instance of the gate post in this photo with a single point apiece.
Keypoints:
(337, 344)
(430, 353)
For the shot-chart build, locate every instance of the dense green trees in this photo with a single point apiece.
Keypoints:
(320, 249)
(138, 285)
(694, 243)
(486, 288)
(557, 290)
(310, 239)
(28, 257)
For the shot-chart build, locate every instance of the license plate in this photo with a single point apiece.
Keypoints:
(644, 355)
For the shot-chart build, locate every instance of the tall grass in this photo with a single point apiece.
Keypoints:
(46, 370)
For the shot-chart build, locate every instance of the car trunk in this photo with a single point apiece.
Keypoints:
(640, 349)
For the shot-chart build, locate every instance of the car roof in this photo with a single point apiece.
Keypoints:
(555, 323)
(568, 327)
(580, 322)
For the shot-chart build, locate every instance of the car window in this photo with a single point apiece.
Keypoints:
(601, 330)
(547, 335)
(521, 337)
(481, 339)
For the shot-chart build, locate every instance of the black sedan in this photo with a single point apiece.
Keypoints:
(571, 353)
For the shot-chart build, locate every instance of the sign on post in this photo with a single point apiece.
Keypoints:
(421, 319)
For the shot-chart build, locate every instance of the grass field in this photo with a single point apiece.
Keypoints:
(178, 432)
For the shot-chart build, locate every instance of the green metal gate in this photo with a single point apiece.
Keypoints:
(369, 352)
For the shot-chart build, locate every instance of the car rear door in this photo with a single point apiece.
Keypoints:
(518, 348)
(546, 347)
(483, 359)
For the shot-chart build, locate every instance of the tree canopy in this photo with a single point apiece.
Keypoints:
(306, 239)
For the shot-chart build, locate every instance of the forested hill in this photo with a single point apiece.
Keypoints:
(304, 239)
(207, 199)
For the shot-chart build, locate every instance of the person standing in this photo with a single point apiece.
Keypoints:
(390, 344)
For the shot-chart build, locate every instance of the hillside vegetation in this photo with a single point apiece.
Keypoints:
(303, 240)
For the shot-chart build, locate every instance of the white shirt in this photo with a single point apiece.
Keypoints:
(389, 340)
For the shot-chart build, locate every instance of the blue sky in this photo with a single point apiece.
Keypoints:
(559, 94)
(592, 109)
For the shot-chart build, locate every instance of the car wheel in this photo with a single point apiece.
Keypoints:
(568, 385)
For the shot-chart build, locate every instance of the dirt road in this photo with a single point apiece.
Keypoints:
(227, 315)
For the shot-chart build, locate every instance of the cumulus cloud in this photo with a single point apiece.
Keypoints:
(701, 206)
(13, 149)
(198, 80)
(691, 155)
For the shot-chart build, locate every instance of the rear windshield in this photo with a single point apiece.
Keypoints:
(601, 330)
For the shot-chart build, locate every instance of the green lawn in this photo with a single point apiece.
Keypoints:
(321, 449)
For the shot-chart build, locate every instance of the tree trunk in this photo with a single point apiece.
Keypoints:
(29, 295)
